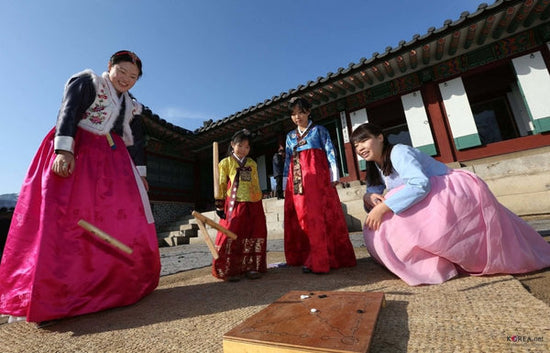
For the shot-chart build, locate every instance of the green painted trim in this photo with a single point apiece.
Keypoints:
(467, 141)
(362, 164)
(428, 149)
(542, 125)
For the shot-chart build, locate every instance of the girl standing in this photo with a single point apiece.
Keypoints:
(51, 267)
(316, 235)
(435, 222)
(242, 213)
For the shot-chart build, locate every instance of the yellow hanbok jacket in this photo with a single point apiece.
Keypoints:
(249, 183)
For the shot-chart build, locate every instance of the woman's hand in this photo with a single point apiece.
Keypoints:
(145, 183)
(374, 218)
(371, 200)
(63, 165)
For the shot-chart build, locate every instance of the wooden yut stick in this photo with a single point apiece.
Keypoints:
(104, 236)
(213, 224)
(215, 168)
(207, 239)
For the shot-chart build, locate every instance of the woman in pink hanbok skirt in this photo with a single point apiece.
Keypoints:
(53, 268)
(435, 222)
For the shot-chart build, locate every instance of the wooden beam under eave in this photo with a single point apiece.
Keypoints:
(323, 96)
(366, 77)
(470, 36)
(339, 91)
(379, 75)
(252, 119)
(521, 15)
(426, 54)
(278, 110)
(484, 33)
(311, 98)
(328, 93)
(401, 64)
(537, 11)
(347, 86)
(413, 59)
(261, 114)
(453, 46)
(439, 48)
(389, 69)
(356, 82)
(504, 22)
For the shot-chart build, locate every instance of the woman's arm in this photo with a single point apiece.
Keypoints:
(79, 95)
(417, 183)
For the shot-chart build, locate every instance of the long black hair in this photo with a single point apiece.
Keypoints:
(369, 130)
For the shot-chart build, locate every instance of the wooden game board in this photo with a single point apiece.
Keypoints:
(302, 321)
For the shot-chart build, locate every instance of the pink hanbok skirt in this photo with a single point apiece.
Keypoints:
(51, 267)
(460, 227)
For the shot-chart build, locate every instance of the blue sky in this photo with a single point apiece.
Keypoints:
(202, 59)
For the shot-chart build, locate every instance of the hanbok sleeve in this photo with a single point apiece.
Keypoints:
(417, 183)
(373, 189)
(331, 156)
(137, 149)
(223, 167)
(79, 95)
(288, 154)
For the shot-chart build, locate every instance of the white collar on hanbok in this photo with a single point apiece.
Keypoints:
(241, 160)
(303, 132)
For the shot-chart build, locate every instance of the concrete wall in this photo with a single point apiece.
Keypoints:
(520, 180)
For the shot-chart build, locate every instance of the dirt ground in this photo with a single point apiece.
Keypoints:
(538, 283)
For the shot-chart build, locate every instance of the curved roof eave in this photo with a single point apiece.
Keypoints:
(466, 18)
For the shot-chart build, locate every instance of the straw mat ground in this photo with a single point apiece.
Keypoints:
(190, 311)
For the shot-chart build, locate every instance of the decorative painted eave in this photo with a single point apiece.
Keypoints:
(488, 24)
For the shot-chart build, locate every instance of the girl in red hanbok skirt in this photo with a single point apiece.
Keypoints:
(85, 169)
(239, 206)
(316, 234)
(434, 222)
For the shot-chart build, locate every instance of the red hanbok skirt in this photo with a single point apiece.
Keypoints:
(51, 267)
(248, 252)
(316, 233)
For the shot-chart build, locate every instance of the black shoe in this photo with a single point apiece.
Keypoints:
(309, 270)
(47, 323)
(253, 275)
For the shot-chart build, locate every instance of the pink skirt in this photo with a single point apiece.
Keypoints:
(51, 267)
(459, 227)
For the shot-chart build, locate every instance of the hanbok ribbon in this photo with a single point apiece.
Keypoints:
(296, 166)
(244, 174)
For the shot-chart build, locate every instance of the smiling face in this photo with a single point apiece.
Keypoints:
(371, 148)
(123, 76)
(241, 149)
(299, 117)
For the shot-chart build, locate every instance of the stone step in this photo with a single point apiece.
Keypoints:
(186, 230)
(172, 238)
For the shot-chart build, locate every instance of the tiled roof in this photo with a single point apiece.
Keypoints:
(471, 30)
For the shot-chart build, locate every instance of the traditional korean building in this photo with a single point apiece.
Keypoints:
(474, 93)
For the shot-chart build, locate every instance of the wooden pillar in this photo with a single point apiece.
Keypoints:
(351, 160)
(434, 105)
